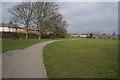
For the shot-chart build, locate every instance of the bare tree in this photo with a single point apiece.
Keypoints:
(22, 14)
(58, 25)
(42, 12)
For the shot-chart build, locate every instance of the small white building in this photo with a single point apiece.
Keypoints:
(75, 36)
(78, 36)
(83, 36)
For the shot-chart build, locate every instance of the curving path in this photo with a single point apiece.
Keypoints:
(26, 63)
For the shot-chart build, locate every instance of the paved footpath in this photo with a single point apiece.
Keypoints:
(26, 63)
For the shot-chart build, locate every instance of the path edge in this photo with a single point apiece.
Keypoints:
(45, 71)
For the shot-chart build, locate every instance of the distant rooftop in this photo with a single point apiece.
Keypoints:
(10, 25)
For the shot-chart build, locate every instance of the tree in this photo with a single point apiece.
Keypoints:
(61, 32)
(104, 34)
(42, 13)
(22, 14)
(58, 25)
(91, 35)
(113, 34)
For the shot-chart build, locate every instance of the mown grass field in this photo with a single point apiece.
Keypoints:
(0, 46)
(19, 44)
(83, 58)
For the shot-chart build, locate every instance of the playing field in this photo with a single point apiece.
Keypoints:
(83, 58)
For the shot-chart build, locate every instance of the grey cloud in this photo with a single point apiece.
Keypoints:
(5, 14)
(90, 16)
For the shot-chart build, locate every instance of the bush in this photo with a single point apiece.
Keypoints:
(48, 36)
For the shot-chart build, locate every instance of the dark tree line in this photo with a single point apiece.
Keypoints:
(44, 15)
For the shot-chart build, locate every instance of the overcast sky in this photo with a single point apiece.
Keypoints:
(82, 17)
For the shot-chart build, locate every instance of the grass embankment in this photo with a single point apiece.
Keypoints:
(84, 58)
(19, 44)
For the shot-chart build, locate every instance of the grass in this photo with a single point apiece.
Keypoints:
(19, 44)
(83, 58)
(0, 46)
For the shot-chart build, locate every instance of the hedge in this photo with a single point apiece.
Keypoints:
(15, 35)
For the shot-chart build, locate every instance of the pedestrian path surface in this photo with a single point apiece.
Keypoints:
(26, 63)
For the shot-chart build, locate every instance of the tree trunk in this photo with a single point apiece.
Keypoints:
(39, 36)
(26, 32)
(55, 35)
(27, 35)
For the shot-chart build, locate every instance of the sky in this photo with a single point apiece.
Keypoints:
(82, 17)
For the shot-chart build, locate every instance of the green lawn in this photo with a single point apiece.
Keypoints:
(83, 58)
(19, 44)
(0, 46)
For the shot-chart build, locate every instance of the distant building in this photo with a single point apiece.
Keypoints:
(83, 36)
(75, 36)
(95, 35)
(79, 36)
(9, 27)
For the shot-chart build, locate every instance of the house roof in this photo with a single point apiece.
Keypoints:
(10, 25)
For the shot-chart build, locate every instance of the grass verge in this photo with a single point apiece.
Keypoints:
(84, 58)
